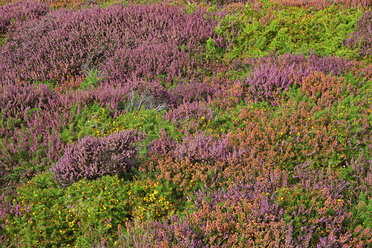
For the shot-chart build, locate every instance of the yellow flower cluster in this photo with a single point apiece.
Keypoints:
(152, 204)
(114, 128)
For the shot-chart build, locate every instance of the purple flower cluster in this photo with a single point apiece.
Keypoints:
(187, 110)
(122, 42)
(205, 149)
(361, 38)
(271, 74)
(93, 157)
(15, 14)
(32, 117)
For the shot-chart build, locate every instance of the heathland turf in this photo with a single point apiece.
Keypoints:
(178, 124)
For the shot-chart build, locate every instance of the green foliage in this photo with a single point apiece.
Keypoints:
(99, 206)
(258, 33)
(212, 51)
(48, 222)
(87, 211)
(3, 39)
(148, 121)
(95, 120)
(92, 118)
(153, 200)
(362, 212)
(91, 80)
(23, 160)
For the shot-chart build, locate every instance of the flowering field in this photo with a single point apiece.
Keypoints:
(206, 123)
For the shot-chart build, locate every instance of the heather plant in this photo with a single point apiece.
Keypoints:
(92, 157)
(166, 37)
(304, 208)
(194, 91)
(201, 148)
(185, 175)
(255, 214)
(195, 110)
(186, 124)
(26, 125)
(271, 75)
(75, 4)
(138, 234)
(18, 13)
(238, 216)
(316, 135)
(221, 2)
(361, 37)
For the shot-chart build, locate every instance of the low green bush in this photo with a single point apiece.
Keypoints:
(259, 32)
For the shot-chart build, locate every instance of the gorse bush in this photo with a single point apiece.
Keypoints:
(258, 32)
(99, 207)
(86, 211)
(153, 200)
(46, 220)
(93, 157)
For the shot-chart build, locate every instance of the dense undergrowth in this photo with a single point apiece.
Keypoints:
(185, 124)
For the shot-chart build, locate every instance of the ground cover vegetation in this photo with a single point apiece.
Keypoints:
(208, 123)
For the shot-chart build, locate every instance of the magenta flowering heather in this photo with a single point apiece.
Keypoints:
(16, 14)
(271, 74)
(362, 37)
(93, 157)
(146, 41)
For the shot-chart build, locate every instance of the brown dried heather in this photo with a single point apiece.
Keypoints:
(295, 133)
(323, 90)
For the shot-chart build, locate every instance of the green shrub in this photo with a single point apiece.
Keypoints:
(48, 222)
(91, 80)
(152, 200)
(99, 206)
(259, 32)
(97, 121)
